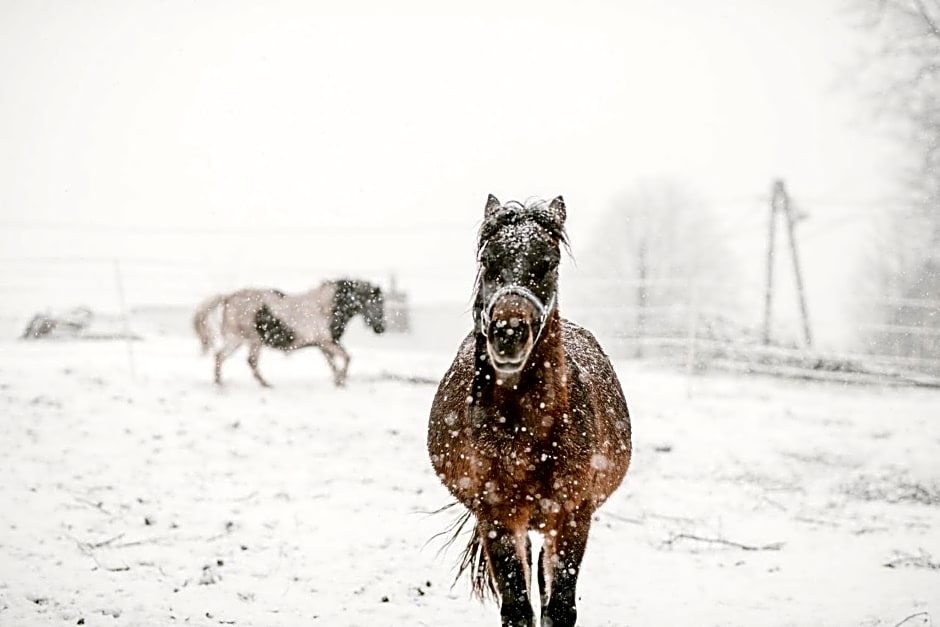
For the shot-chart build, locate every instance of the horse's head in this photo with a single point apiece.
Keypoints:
(373, 307)
(517, 283)
(356, 297)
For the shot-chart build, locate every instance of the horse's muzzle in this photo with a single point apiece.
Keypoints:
(509, 336)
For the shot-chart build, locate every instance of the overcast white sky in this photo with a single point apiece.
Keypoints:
(236, 115)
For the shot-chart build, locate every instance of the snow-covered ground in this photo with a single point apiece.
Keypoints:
(158, 499)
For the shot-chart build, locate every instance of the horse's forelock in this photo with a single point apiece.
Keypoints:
(514, 212)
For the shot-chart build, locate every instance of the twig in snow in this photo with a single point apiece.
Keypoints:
(773, 546)
(150, 540)
(154, 565)
(99, 506)
(632, 521)
(90, 553)
(683, 519)
(917, 561)
(816, 521)
(413, 379)
(98, 545)
(915, 615)
(113, 569)
(89, 550)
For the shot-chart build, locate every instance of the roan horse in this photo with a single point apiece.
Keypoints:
(529, 428)
(267, 317)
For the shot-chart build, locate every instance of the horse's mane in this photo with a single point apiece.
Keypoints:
(355, 289)
(514, 212)
(349, 298)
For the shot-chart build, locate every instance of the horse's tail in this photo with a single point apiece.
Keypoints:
(201, 320)
(473, 560)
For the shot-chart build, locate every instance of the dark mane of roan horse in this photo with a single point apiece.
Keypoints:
(350, 298)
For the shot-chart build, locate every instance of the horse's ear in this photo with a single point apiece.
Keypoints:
(557, 209)
(492, 204)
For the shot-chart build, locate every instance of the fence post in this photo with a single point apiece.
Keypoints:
(119, 280)
(693, 333)
(769, 288)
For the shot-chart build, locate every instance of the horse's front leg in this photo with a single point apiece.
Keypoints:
(224, 353)
(345, 368)
(254, 353)
(338, 359)
(506, 552)
(560, 566)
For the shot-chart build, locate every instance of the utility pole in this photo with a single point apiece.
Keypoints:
(780, 203)
(771, 238)
(801, 294)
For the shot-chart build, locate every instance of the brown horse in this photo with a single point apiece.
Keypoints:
(529, 428)
(267, 317)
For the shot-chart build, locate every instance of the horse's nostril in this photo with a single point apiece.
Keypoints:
(508, 336)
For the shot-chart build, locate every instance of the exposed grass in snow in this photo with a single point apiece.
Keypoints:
(162, 500)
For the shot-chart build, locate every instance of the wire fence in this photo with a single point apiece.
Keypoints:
(140, 296)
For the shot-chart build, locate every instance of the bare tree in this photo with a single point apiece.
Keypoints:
(904, 71)
(658, 258)
(907, 74)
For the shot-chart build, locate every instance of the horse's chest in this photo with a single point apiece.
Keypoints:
(514, 461)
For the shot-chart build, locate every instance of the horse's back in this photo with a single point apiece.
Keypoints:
(243, 304)
(241, 307)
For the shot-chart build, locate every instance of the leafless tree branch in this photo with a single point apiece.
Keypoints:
(928, 19)
(915, 615)
(773, 546)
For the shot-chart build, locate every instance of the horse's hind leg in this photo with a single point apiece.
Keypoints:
(505, 556)
(561, 561)
(254, 352)
(224, 353)
(543, 589)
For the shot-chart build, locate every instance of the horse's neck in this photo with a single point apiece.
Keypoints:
(338, 321)
(342, 311)
(540, 394)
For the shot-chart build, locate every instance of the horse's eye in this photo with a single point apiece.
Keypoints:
(540, 267)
